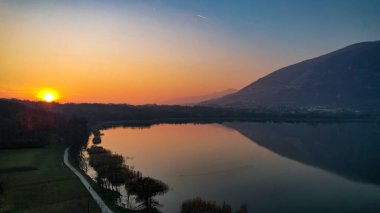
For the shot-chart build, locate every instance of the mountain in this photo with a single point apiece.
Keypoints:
(348, 78)
(187, 101)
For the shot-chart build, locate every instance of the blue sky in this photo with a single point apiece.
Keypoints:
(176, 47)
(304, 27)
(321, 25)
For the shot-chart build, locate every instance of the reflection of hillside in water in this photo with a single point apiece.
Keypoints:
(351, 150)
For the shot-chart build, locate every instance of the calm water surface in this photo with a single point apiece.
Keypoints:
(269, 167)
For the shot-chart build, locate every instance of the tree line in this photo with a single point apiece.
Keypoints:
(198, 205)
(30, 126)
(113, 173)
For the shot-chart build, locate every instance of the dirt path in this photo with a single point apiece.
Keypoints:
(86, 184)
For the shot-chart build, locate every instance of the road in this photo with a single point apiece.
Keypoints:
(97, 198)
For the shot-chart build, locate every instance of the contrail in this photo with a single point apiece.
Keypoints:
(204, 17)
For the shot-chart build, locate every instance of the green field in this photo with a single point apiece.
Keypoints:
(36, 180)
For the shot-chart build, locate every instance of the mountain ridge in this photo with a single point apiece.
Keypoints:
(345, 78)
(193, 100)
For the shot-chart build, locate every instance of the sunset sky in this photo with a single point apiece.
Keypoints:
(141, 52)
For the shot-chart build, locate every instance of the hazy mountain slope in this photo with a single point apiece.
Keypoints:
(347, 78)
(197, 99)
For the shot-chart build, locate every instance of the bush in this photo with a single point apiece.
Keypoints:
(197, 205)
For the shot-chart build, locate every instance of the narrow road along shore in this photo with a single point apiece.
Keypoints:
(97, 198)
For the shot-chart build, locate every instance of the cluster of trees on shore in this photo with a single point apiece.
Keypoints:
(113, 173)
(197, 205)
(100, 113)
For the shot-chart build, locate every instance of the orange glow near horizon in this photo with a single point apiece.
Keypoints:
(48, 95)
(99, 57)
(151, 52)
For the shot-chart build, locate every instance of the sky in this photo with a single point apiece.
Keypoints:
(141, 52)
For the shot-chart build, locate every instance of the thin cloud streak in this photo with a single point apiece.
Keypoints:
(202, 17)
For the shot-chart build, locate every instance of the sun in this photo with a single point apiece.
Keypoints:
(48, 95)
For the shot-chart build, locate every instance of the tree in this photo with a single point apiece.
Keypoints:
(197, 205)
(1, 193)
(145, 188)
(243, 209)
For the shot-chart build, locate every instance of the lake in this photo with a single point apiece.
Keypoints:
(271, 167)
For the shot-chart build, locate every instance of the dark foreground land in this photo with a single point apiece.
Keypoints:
(36, 180)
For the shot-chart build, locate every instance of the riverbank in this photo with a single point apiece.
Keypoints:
(104, 208)
(296, 118)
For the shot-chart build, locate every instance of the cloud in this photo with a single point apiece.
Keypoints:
(202, 17)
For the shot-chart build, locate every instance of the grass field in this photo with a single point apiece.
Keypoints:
(36, 180)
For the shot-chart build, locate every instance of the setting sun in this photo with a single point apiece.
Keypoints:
(48, 95)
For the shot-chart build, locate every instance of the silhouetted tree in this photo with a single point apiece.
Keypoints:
(1, 188)
(146, 188)
(197, 205)
(243, 209)
(97, 137)
(131, 177)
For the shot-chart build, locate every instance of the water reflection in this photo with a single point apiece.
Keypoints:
(351, 150)
(263, 165)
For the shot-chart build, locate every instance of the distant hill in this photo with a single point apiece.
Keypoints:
(188, 101)
(348, 78)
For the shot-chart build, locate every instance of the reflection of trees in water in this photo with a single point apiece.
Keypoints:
(198, 205)
(113, 173)
(1, 193)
